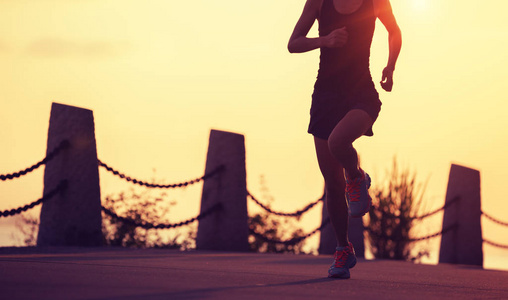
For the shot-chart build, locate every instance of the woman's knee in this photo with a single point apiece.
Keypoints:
(352, 126)
(339, 146)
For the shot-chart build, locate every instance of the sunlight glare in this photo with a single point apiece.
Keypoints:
(420, 5)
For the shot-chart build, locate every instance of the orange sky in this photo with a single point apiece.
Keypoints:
(160, 74)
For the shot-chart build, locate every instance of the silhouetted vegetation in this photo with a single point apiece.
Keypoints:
(274, 228)
(141, 207)
(397, 199)
(138, 206)
(28, 226)
(149, 207)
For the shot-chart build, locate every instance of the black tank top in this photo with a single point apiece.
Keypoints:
(346, 68)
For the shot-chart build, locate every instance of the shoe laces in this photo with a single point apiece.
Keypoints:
(341, 258)
(353, 189)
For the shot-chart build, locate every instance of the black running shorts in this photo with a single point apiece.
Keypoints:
(329, 107)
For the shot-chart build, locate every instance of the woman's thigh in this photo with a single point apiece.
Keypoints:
(354, 124)
(331, 168)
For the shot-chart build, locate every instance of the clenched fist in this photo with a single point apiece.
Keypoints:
(336, 38)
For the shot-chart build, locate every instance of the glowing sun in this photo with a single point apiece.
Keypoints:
(420, 5)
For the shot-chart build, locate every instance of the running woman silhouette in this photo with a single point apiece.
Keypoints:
(345, 103)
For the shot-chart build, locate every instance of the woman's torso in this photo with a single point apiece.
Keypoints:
(346, 67)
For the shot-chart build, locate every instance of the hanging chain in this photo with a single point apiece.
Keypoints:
(61, 186)
(390, 215)
(147, 225)
(494, 220)
(295, 214)
(292, 241)
(161, 186)
(63, 145)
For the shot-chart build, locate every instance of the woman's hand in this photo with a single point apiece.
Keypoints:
(387, 79)
(337, 38)
(383, 11)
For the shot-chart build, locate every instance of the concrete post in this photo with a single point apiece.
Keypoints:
(73, 217)
(463, 245)
(328, 242)
(226, 229)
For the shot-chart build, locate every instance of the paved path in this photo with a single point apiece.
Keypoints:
(98, 273)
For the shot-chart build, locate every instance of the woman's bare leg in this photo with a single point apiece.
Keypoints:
(336, 203)
(352, 126)
(334, 156)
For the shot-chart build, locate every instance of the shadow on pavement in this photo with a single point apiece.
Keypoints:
(208, 292)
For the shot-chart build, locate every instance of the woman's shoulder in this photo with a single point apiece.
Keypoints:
(381, 5)
(316, 4)
(313, 6)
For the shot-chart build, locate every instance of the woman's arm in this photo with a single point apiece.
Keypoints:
(299, 42)
(383, 11)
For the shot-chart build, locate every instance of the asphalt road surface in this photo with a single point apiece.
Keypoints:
(109, 273)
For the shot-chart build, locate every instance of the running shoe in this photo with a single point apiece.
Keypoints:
(357, 194)
(344, 259)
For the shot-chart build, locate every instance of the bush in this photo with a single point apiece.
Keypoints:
(396, 201)
(141, 207)
(274, 228)
(28, 226)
